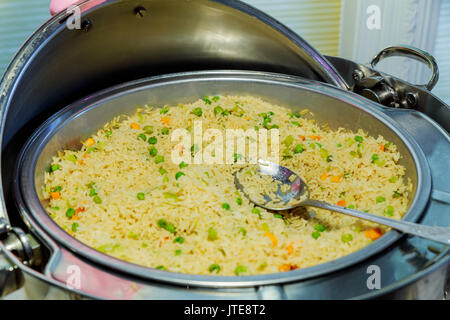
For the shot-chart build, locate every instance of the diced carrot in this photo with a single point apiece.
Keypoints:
(85, 155)
(342, 203)
(89, 142)
(287, 267)
(55, 195)
(80, 162)
(84, 202)
(373, 234)
(315, 137)
(165, 120)
(302, 137)
(324, 176)
(135, 126)
(284, 268)
(290, 248)
(166, 238)
(80, 209)
(335, 179)
(75, 216)
(381, 147)
(272, 237)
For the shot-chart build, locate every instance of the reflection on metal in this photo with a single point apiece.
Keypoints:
(414, 53)
(11, 277)
(386, 90)
(212, 35)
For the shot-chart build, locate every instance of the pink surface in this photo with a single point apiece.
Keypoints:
(93, 280)
(58, 5)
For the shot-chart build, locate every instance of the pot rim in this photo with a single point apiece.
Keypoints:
(33, 211)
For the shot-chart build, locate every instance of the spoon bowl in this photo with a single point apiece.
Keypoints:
(298, 195)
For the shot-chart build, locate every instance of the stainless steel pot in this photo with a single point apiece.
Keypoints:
(58, 66)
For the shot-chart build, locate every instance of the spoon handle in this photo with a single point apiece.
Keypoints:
(439, 234)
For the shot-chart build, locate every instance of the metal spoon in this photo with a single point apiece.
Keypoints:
(300, 192)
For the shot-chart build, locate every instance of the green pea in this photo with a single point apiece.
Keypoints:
(212, 234)
(375, 158)
(320, 227)
(179, 240)
(159, 159)
(239, 270)
(165, 225)
(289, 140)
(226, 206)
(70, 213)
(92, 192)
(72, 158)
(97, 199)
(183, 165)
(152, 140)
(148, 129)
(153, 151)
(239, 201)
(397, 194)
(133, 235)
(389, 211)
(141, 196)
(298, 149)
(198, 112)
(179, 175)
(316, 235)
(214, 268)
(75, 227)
(165, 131)
(393, 179)
(346, 237)
(142, 137)
(206, 100)
(218, 110)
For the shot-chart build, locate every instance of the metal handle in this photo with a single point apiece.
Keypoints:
(11, 278)
(438, 234)
(414, 53)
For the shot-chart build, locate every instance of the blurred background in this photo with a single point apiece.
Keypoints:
(353, 29)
